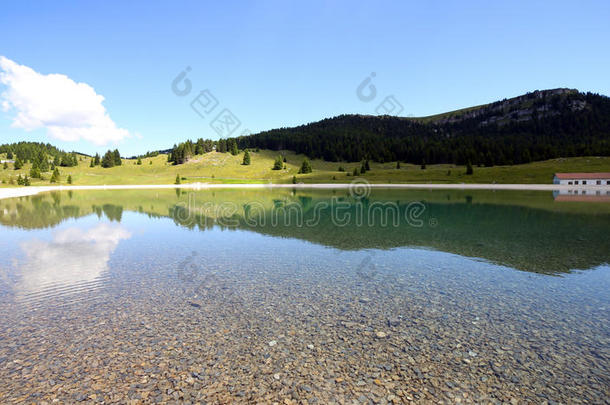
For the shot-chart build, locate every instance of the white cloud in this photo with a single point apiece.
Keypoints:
(69, 111)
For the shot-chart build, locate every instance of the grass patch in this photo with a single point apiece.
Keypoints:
(225, 168)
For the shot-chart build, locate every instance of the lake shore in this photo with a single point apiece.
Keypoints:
(28, 191)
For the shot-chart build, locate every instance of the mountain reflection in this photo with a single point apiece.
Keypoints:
(73, 258)
(523, 230)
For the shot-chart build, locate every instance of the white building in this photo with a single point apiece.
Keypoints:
(582, 179)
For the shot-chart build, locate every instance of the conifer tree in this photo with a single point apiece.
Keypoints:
(116, 157)
(69, 179)
(35, 172)
(469, 170)
(55, 176)
(305, 167)
(234, 150)
(108, 160)
(18, 164)
(178, 181)
(278, 164)
(246, 160)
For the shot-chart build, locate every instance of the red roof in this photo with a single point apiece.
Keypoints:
(585, 176)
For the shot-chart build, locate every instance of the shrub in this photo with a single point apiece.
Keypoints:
(305, 167)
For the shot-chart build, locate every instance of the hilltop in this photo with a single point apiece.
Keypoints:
(536, 126)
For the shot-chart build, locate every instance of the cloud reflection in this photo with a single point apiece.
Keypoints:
(73, 258)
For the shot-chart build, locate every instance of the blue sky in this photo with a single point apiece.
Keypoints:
(284, 63)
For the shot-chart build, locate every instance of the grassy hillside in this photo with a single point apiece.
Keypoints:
(225, 168)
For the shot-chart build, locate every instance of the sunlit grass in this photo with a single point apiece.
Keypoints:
(225, 168)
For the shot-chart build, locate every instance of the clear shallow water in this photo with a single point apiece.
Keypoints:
(161, 296)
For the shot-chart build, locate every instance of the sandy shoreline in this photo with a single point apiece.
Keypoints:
(27, 191)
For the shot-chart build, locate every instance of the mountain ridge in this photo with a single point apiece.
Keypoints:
(535, 126)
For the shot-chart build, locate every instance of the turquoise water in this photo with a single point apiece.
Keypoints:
(241, 296)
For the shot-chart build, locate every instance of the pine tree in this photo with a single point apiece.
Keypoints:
(19, 181)
(423, 165)
(5, 166)
(356, 172)
(294, 179)
(278, 164)
(178, 181)
(246, 160)
(108, 160)
(35, 172)
(469, 170)
(234, 150)
(55, 176)
(92, 164)
(69, 179)
(56, 161)
(96, 159)
(367, 166)
(18, 164)
(116, 157)
(139, 162)
(26, 180)
(341, 169)
(398, 164)
(305, 167)
(42, 162)
(9, 155)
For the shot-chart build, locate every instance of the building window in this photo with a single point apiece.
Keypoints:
(570, 183)
(576, 182)
(584, 182)
(598, 192)
(608, 182)
(583, 191)
(599, 182)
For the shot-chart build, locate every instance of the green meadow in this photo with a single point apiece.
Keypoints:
(216, 167)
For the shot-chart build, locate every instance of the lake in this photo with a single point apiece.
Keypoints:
(304, 296)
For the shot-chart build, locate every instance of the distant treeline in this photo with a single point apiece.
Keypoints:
(539, 126)
(39, 154)
(182, 152)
